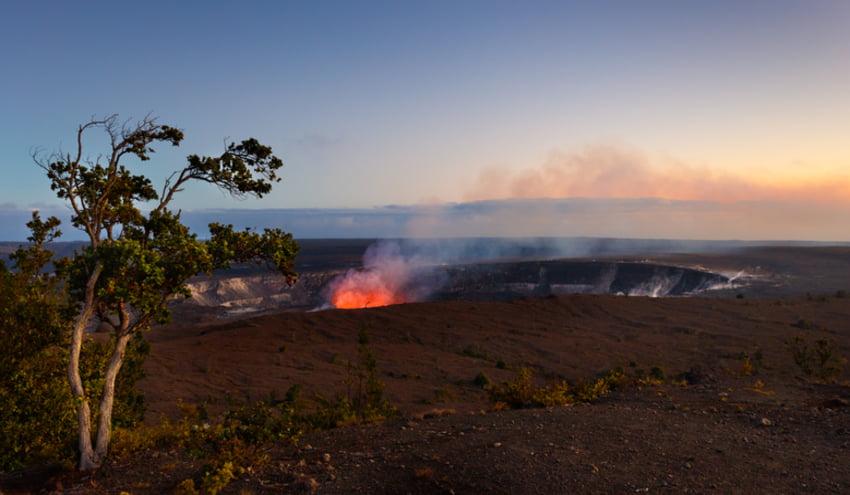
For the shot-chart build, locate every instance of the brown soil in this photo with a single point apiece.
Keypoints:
(721, 433)
(436, 349)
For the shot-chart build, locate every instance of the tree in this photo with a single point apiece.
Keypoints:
(36, 407)
(134, 261)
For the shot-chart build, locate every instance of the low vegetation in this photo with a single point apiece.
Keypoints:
(238, 440)
(751, 364)
(818, 359)
(522, 392)
(364, 399)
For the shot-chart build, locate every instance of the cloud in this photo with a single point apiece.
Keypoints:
(602, 191)
(639, 218)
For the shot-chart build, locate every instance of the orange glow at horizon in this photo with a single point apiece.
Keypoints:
(621, 172)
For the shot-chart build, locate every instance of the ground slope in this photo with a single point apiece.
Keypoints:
(431, 352)
(728, 428)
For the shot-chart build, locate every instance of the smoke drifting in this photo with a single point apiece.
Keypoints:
(609, 191)
(388, 277)
(603, 191)
(617, 172)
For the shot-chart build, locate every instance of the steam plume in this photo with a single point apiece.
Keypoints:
(387, 277)
(618, 172)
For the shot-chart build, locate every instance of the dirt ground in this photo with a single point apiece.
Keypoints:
(726, 432)
(734, 426)
(429, 353)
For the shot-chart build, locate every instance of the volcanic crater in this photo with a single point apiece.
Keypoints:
(247, 291)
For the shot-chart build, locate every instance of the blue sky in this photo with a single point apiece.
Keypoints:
(376, 103)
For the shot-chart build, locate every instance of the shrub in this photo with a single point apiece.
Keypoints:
(364, 400)
(474, 352)
(656, 373)
(217, 479)
(819, 360)
(654, 377)
(523, 393)
(604, 384)
(186, 487)
(230, 444)
(481, 380)
(751, 364)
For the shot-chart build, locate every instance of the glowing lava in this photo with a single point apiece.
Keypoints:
(363, 290)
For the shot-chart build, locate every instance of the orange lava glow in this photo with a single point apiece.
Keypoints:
(367, 289)
(369, 298)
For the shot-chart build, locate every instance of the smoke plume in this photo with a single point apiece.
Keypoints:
(619, 172)
(388, 276)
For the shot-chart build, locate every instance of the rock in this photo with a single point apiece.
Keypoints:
(766, 422)
(497, 444)
(326, 458)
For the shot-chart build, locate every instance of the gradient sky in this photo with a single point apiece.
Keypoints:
(375, 103)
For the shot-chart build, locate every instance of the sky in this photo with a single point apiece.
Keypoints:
(741, 106)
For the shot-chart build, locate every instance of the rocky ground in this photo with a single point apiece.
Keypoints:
(728, 428)
(735, 414)
(708, 438)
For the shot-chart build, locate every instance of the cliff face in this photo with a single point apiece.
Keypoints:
(234, 294)
(257, 292)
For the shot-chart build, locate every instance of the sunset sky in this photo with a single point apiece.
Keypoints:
(422, 103)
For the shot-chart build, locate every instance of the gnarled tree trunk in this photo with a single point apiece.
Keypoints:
(104, 427)
(88, 458)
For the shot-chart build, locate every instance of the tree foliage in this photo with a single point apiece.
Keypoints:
(139, 254)
(36, 406)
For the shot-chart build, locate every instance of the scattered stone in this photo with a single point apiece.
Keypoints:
(766, 422)
(326, 458)
(497, 444)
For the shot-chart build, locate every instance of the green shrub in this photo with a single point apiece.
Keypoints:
(523, 393)
(819, 360)
(364, 400)
(217, 479)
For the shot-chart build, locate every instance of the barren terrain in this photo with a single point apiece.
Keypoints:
(735, 414)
